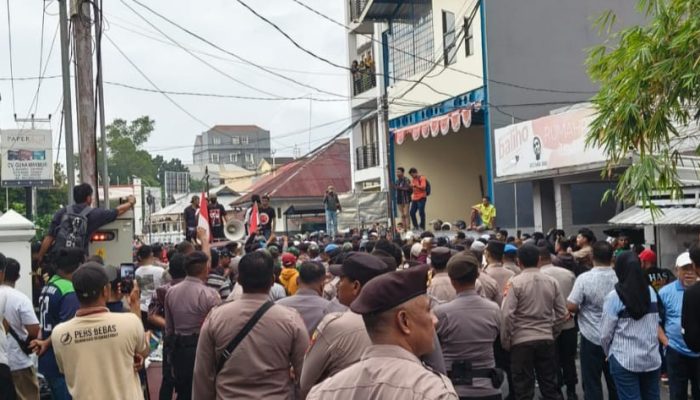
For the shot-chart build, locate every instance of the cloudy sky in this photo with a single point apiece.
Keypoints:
(223, 22)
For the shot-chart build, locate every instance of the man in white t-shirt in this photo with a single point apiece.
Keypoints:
(96, 338)
(23, 327)
(7, 388)
(149, 277)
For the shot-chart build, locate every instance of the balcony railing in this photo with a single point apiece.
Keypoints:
(356, 8)
(367, 156)
(363, 80)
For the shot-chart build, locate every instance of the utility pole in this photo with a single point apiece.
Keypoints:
(67, 108)
(81, 19)
(101, 104)
(384, 108)
(30, 191)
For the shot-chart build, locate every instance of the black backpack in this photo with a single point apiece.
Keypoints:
(72, 232)
(427, 187)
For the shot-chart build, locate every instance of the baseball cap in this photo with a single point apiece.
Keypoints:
(330, 248)
(510, 249)
(683, 260)
(478, 246)
(648, 255)
(289, 260)
(392, 289)
(89, 280)
(359, 267)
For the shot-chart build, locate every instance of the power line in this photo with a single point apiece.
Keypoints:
(327, 61)
(135, 31)
(191, 53)
(42, 74)
(41, 51)
(12, 72)
(503, 83)
(236, 56)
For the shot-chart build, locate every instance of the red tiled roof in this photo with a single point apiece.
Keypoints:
(309, 176)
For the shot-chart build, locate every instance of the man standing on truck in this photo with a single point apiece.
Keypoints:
(73, 225)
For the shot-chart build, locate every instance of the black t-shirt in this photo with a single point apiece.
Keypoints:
(659, 277)
(266, 217)
(95, 219)
(216, 220)
(191, 217)
(690, 317)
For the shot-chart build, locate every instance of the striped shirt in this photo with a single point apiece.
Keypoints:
(588, 294)
(634, 343)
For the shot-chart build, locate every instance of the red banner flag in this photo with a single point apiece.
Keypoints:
(254, 219)
(203, 219)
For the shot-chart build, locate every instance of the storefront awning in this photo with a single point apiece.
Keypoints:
(670, 216)
(442, 125)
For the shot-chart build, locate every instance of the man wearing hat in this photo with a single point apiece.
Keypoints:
(94, 335)
(289, 274)
(682, 363)
(441, 289)
(467, 328)
(494, 264)
(340, 338)
(658, 277)
(396, 316)
(510, 253)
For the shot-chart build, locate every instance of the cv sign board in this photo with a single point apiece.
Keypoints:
(545, 144)
(27, 159)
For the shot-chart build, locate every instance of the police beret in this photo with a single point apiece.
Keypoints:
(359, 267)
(392, 289)
(461, 264)
(440, 255)
(496, 247)
(388, 259)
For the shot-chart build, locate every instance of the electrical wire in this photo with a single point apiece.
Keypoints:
(499, 82)
(41, 52)
(236, 56)
(12, 72)
(321, 58)
(191, 53)
(42, 75)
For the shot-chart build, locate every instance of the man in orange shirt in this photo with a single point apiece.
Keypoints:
(419, 184)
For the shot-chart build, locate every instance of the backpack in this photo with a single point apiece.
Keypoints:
(72, 231)
(427, 187)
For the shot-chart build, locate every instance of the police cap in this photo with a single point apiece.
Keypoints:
(359, 267)
(392, 289)
(461, 265)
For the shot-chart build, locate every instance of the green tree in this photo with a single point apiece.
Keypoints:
(126, 156)
(649, 85)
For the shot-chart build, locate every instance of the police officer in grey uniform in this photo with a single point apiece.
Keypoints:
(396, 314)
(467, 327)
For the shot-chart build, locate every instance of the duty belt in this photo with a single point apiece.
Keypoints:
(462, 374)
(185, 340)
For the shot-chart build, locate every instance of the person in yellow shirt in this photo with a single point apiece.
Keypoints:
(289, 274)
(483, 215)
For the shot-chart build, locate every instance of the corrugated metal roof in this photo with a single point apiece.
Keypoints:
(309, 176)
(670, 216)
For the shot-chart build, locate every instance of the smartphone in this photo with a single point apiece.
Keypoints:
(126, 277)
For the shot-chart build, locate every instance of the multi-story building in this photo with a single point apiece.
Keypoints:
(456, 70)
(242, 145)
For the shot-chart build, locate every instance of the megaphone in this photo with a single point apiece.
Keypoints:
(234, 230)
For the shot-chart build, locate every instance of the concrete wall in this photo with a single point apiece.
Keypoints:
(453, 164)
(541, 44)
(448, 80)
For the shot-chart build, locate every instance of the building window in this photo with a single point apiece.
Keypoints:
(369, 132)
(216, 140)
(215, 158)
(233, 158)
(411, 43)
(245, 140)
(449, 39)
(469, 36)
(235, 140)
(250, 158)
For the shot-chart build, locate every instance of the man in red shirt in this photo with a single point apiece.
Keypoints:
(419, 184)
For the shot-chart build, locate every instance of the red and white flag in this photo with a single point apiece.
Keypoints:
(203, 219)
(254, 220)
